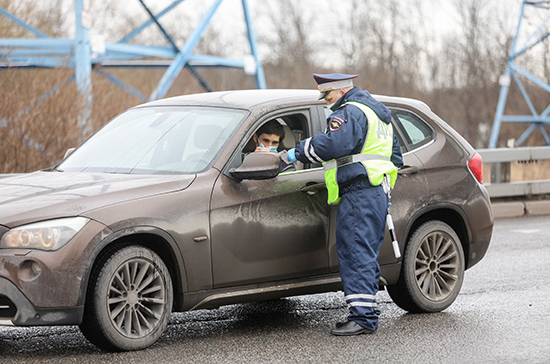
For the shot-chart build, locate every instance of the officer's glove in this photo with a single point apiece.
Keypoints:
(284, 156)
(291, 155)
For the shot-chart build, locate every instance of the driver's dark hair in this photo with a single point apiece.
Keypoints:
(272, 127)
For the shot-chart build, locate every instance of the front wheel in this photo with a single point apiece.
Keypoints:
(432, 271)
(129, 302)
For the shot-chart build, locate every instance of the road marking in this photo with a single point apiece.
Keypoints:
(531, 231)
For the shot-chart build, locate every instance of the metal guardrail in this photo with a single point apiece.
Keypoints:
(500, 159)
(499, 155)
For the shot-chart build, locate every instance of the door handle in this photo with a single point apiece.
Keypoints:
(408, 170)
(312, 188)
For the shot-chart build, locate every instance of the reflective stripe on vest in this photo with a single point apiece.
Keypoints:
(379, 139)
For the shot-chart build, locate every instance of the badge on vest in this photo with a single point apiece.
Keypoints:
(335, 123)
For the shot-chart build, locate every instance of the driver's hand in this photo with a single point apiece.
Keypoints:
(283, 155)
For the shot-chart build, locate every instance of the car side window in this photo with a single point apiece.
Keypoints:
(296, 126)
(418, 131)
(295, 129)
(415, 131)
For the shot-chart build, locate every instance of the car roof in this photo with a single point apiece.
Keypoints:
(396, 101)
(242, 99)
(252, 99)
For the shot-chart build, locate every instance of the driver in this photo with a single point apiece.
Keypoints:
(269, 136)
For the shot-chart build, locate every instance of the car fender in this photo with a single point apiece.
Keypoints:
(429, 213)
(118, 238)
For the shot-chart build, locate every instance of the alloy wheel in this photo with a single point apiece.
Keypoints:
(136, 298)
(437, 265)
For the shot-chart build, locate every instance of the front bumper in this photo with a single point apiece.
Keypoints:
(47, 287)
(17, 310)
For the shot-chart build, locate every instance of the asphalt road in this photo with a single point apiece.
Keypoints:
(501, 316)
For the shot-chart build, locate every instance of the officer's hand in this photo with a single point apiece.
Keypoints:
(291, 155)
(284, 156)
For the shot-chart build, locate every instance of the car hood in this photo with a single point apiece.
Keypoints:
(46, 195)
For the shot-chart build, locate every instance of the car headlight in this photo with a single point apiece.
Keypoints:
(44, 235)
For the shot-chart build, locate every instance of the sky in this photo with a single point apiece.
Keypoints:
(439, 15)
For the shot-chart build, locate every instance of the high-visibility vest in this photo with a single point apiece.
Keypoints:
(375, 155)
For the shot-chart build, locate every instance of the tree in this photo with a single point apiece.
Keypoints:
(291, 44)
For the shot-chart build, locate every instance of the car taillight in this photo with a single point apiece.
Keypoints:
(476, 167)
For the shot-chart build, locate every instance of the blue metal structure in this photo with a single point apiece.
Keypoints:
(513, 70)
(77, 54)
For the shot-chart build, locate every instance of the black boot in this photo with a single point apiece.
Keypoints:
(349, 328)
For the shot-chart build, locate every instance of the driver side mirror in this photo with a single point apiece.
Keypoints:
(257, 165)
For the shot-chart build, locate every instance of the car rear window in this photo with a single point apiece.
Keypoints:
(415, 131)
(412, 131)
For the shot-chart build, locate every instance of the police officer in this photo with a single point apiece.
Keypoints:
(357, 150)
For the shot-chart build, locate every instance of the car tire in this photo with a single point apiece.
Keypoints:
(129, 300)
(432, 271)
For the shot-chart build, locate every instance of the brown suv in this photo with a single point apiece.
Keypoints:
(165, 209)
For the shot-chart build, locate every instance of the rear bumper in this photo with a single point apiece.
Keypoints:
(17, 310)
(479, 247)
(481, 224)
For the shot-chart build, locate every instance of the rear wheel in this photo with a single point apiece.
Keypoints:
(129, 302)
(432, 271)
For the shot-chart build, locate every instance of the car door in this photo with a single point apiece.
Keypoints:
(410, 193)
(273, 229)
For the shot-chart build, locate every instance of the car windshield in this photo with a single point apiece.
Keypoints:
(156, 140)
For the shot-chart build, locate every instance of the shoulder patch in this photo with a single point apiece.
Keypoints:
(335, 123)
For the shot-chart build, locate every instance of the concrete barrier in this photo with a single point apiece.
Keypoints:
(521, 208)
